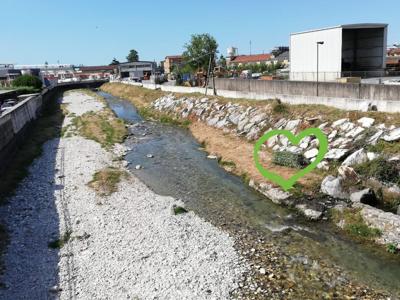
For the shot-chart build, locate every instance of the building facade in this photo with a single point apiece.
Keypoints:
(240, 60)
(137, 70)
(354, 50)
(172, 61)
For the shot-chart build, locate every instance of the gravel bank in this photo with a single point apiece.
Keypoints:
(126, 246)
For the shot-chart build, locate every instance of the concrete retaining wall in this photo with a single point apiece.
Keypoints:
(15, 122)
(307, 88)
(372, 95)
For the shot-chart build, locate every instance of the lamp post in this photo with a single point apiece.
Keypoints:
(318, 43)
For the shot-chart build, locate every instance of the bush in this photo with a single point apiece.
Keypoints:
(279, 108)
(27, 81)
(381, 169)
(289, 159)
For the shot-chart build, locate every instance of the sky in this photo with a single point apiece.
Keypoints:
(93, 32)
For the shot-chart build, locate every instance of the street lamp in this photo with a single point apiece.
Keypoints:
(318, 43)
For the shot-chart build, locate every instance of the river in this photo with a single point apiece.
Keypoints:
(180, 168)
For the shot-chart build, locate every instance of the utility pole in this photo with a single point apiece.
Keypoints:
(208, 73)
(250, 47)
(318, 43)
(213, 79)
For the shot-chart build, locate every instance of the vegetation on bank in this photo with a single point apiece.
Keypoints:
(59, 243)
(105, 181)
(354, 224)
(102, 127)
(27, 81)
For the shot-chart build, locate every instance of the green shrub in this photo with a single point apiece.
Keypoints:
(289, 159)
(391, 248)
(381, 169)
(27, 81)
(279, 108)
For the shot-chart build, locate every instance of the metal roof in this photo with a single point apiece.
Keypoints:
(347, 26)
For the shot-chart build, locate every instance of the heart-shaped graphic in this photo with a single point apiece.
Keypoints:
(295, 140)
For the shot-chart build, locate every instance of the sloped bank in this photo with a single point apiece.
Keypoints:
(344, 176)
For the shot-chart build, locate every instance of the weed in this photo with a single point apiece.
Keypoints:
(59, 243)
(177, 210)
(289, 159)
(385, 147)
(280, 108)
(381, 169)
(105, 182)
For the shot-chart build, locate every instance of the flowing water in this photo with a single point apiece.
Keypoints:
(181, 169)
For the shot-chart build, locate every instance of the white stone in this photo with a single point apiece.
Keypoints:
(366, 122)
(355, 132)
(374, 139)
(311, 153)
(292, 125)
(323, 165)
(212, 156)
(336, 153)
(138, 167)
(347, 172)
(393, 135)
(332, 186)
(339, 122)
(372, 155)
(358, 157)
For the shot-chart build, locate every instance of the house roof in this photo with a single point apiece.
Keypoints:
(394, 51)
(173, 57)
(347, 26)
(250, 58)
(97, 68)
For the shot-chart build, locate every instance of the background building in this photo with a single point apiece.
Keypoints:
(172, 61)
(355, 50)
(137, 70)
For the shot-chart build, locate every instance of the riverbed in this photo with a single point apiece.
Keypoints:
(179, 168)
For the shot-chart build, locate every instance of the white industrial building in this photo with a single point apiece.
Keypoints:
(354, 50)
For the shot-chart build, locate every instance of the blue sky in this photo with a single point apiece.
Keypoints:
(92, 32)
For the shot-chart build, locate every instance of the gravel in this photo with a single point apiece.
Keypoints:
(125, 246)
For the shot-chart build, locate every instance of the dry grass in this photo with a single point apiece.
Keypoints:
(139, 96)
(142, 97)
(105, 182)
(239, 153)
(102, 127)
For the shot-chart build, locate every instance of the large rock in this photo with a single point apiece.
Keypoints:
(309, 213)
(355, 132)
(339, 122)
(393, 135)
(332, 186)
(347, 173)
(358, 157)
(292, 125)
(366, 196)
(336, 153)
(366, 122)
(311, 153)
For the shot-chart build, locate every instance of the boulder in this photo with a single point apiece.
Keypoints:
(366, 196)
(332, 186)
(309, 213)
(393, 135)
(347, 173)
(339, 122)
(374, 139)
(292, 125)
(358, 157)
(311, 153)
(372, 155)
(366, 122)
(323, 165)
(355, 132)
(336, 153)
(280, 123)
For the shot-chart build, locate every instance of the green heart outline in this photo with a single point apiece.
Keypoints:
(286, 184)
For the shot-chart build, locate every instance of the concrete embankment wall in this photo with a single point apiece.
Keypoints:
(15, 122)
(347, 96)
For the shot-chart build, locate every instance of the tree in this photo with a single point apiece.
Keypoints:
(114, 62)
(133, 56)
(222, 61)
(27, 81)
(198, 51)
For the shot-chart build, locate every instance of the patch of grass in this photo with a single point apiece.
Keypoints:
(59, 243)
(177, 210)
(279, 108)
(150, 114)
(391, 248)
(385, 147)
(354, 224)
(245, 177)
(105, 182)
(289, 159)
(226, 163)
(102, 127)
(381, 169)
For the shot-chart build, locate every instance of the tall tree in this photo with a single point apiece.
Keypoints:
(133, 56)
(114, 62)
(198, 51)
